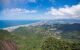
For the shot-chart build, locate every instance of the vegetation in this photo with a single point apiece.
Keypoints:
(4, 36)
(58, 44)
(44, 37)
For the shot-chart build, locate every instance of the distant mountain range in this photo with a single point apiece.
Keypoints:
(64, 21)
(66, 30)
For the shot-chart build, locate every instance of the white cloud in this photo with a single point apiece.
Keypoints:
(18, 11)
(66, 12)
(22, 14)
(61, 13)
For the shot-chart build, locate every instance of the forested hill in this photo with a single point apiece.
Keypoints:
(6, 42)
(46, 36)
(70, 27)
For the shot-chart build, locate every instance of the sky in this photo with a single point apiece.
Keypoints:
(39, 9)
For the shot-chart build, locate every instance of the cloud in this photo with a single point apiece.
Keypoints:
(66, 12)
(18, 11)
(53, 13)
(7, 3)
(22, 14)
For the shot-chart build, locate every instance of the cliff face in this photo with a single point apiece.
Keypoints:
(7, 45)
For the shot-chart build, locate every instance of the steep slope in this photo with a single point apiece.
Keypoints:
(33, 36)
(6, 43)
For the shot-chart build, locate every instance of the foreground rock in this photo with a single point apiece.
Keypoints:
(8, 45)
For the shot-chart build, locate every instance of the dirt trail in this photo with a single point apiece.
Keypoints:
(8, 45)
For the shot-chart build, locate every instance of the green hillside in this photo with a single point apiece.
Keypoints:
(44, 37)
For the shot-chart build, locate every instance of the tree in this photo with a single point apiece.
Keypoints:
(55, 44)
(5, 41)
(4, 34)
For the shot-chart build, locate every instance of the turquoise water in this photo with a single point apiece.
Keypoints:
(9, 23)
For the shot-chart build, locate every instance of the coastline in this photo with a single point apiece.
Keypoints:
(12, 28)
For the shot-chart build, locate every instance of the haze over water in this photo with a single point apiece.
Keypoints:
(9, 23)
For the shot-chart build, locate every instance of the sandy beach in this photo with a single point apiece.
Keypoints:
(10, 29)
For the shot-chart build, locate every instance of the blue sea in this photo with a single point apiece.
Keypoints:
(9, 23)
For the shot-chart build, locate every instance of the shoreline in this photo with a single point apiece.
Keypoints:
(12, 28)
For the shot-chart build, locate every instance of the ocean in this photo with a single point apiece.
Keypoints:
(9, 23)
